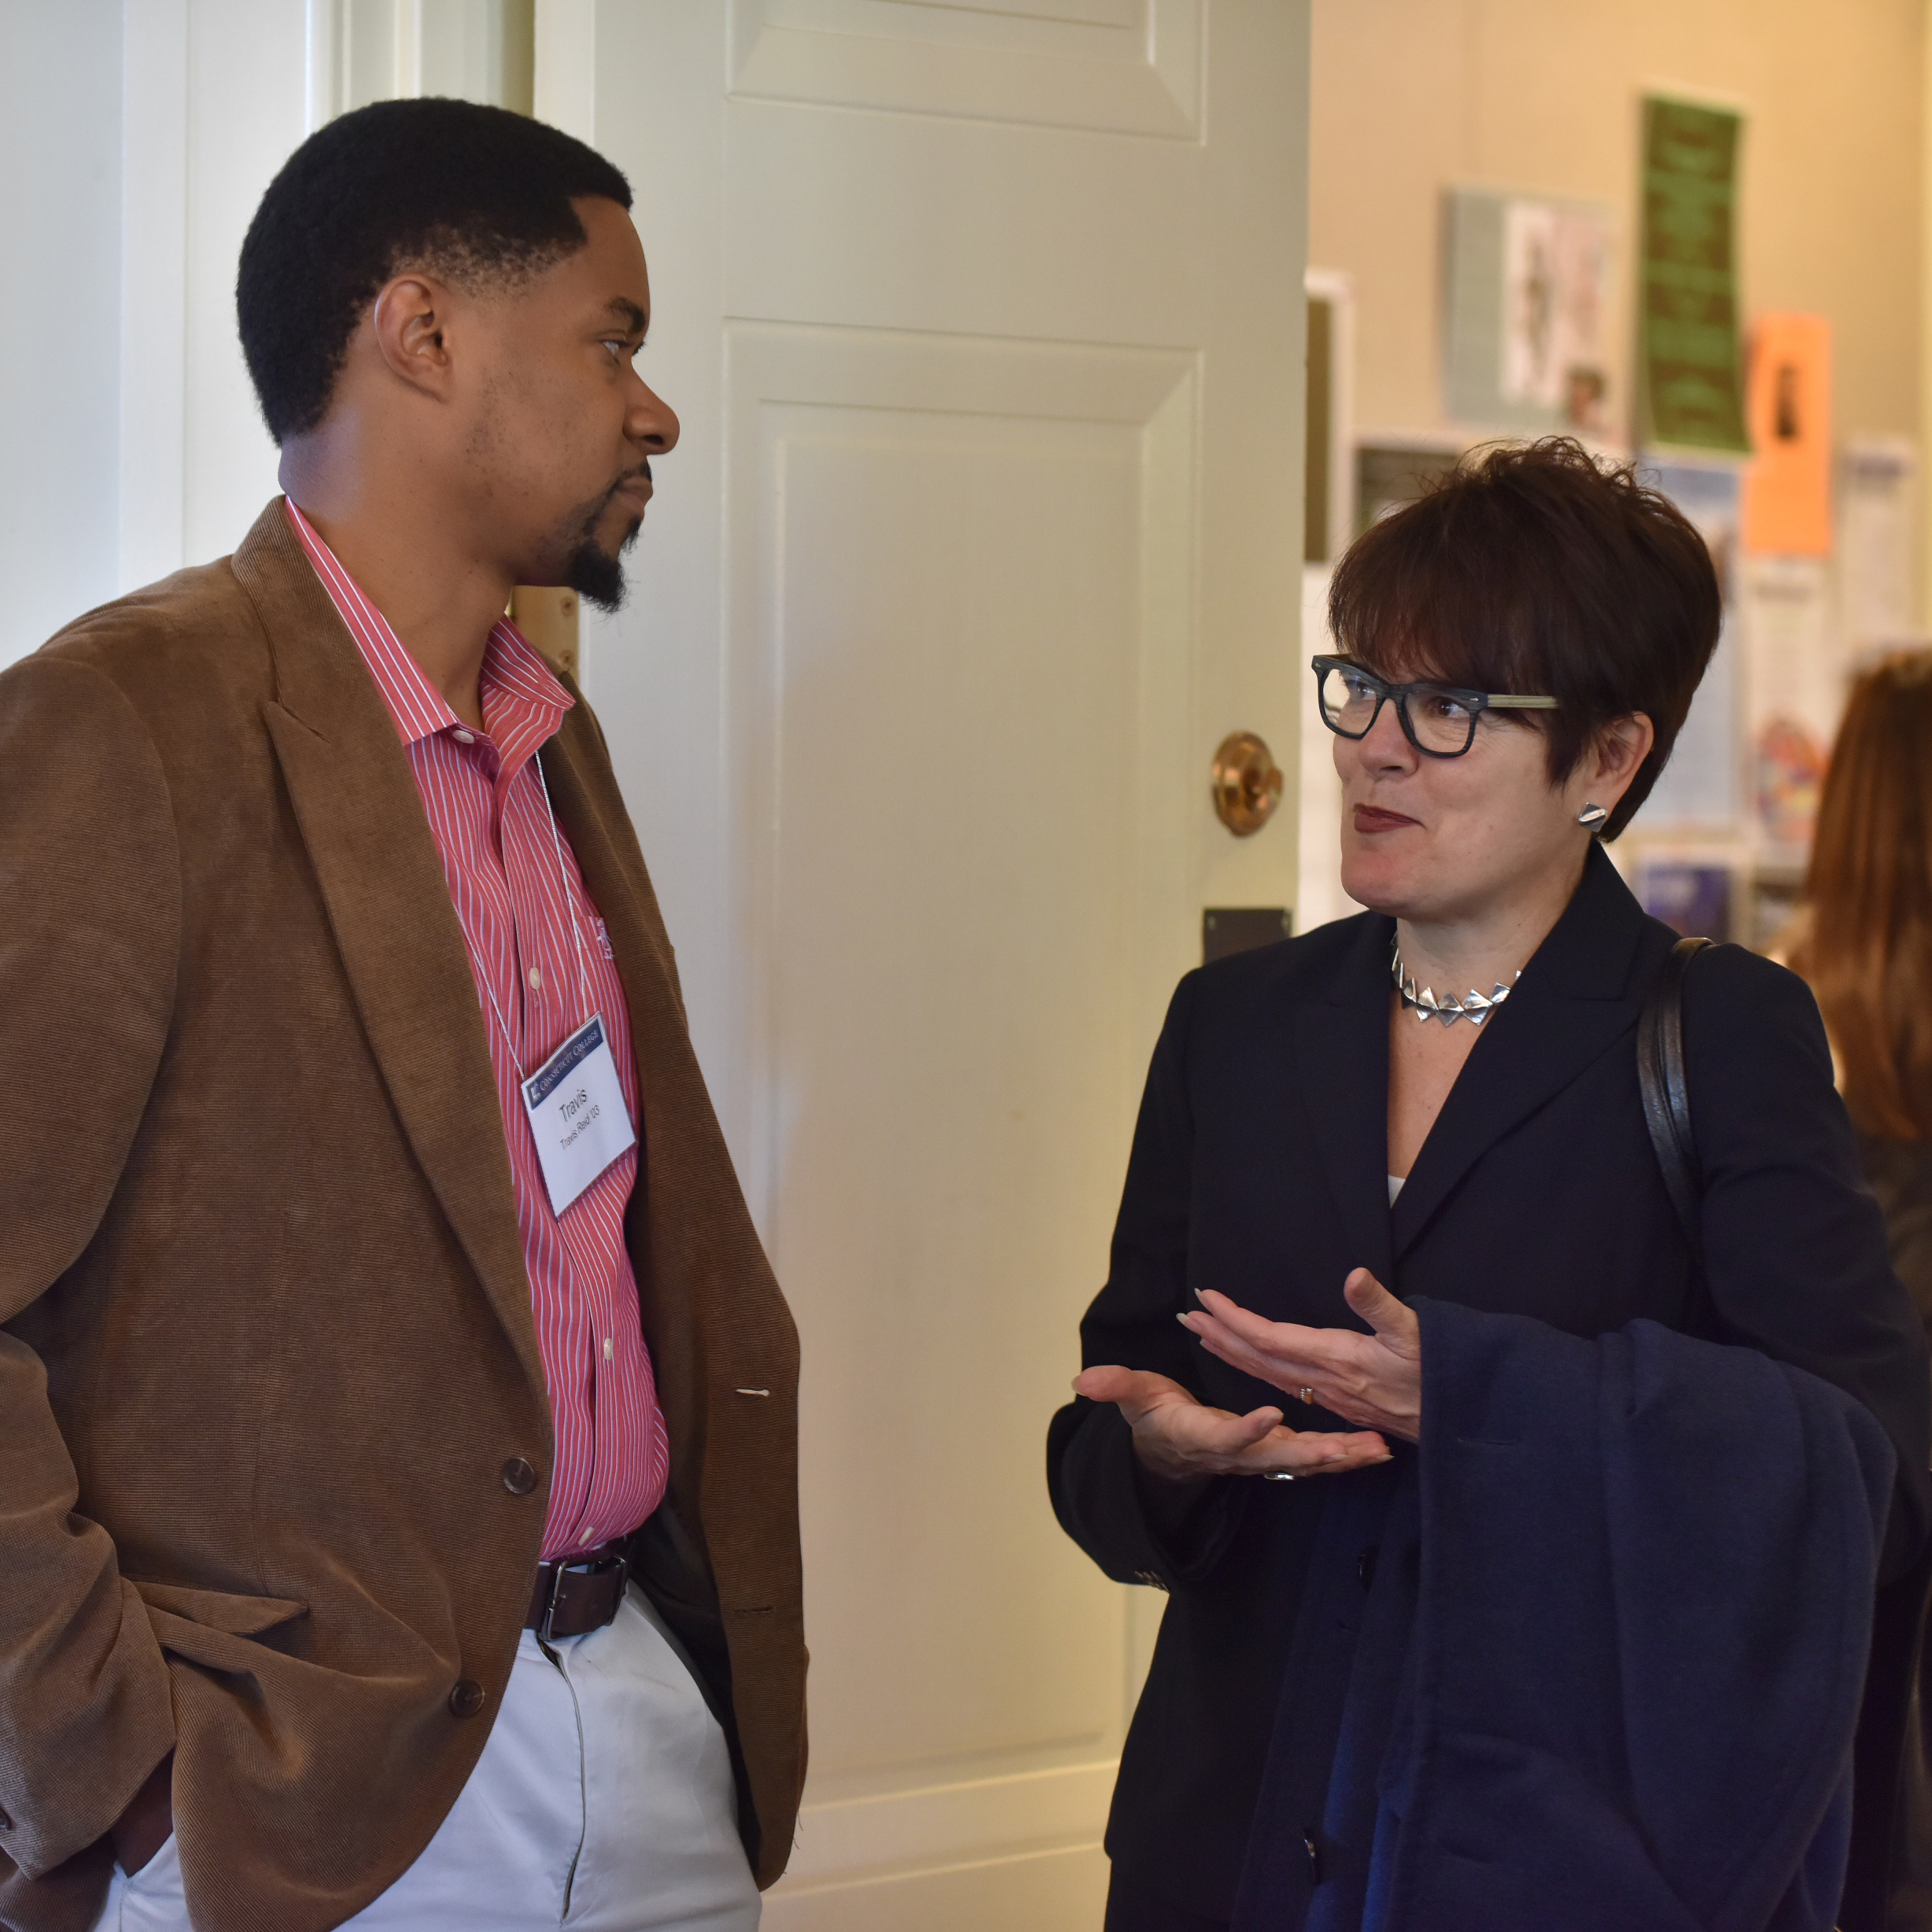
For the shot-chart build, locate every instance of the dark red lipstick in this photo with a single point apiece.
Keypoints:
(1374, 818)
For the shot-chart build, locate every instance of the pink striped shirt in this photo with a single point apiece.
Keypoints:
(486, 807)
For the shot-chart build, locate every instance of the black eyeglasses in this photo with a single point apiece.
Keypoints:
(1439, 720)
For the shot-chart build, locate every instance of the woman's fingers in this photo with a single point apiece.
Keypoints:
(1373, 1380)
(1135, 1390)
(1145, 1400)
(1257, 1330)
(1214, 1443)
(1311, 1452)
(1221, 1433)
(1110, 1383)
(1279, 1352)
(1178, 1436)
(1393, 1322)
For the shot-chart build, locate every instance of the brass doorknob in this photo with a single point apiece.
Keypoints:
(1247, 783)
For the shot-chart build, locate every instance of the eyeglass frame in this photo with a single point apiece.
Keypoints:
(1476, 703)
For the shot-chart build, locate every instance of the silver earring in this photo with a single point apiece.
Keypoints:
(1592, 816)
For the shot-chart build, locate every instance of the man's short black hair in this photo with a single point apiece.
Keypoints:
(476, 194)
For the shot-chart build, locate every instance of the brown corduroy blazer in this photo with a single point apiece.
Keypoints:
(265, 1340)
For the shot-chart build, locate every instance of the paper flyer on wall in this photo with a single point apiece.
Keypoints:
(1787, 488)
(1877, 488)
(1690, 373)
(1699, 788)
(1525, 300)
(1794, 688)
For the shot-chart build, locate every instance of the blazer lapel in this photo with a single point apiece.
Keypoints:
(362, 821)
(1575, 998)
(1341, 1043)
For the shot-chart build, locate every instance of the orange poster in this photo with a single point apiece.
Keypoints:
(1787, 485)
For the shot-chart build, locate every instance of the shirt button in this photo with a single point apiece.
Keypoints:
(463, 737)
(468, 1698)
(609, 1356)
(519, 1478)
(587, 1536)
(536, 978)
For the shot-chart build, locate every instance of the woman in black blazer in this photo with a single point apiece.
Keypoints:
(1321, 1127)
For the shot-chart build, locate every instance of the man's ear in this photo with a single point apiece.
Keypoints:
(409, 317)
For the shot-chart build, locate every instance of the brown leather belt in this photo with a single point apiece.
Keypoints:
(578, 1594)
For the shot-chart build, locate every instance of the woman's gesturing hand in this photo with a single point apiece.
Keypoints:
(1179, 1438)
(1373, 1380)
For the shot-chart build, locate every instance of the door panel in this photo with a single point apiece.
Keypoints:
(944, 617)
(1114, 64)
(985, 324)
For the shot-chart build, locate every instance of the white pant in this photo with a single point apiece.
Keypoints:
(602, 1802)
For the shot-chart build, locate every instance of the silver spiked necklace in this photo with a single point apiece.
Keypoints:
(1472, 1007)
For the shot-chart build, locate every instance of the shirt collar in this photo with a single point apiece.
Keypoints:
(523, 702)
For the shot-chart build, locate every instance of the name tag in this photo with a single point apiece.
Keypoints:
(577, 1111)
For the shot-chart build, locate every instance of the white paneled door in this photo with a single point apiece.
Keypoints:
(984, 322)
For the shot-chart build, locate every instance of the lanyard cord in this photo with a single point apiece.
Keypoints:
(569, 907)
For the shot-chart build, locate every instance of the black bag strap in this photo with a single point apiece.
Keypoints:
(1666, 1092)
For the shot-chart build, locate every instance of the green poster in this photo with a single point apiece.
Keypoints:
(1690, 372)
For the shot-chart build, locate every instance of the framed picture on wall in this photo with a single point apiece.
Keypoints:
(1525, 298)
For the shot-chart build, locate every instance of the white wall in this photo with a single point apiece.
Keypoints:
(136, 137)
(59, 323)
(143, 135)
(246, 110)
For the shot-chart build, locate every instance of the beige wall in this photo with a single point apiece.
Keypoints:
(1541, 95)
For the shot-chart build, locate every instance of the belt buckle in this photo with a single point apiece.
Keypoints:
(595, 1566)
(550, 1602)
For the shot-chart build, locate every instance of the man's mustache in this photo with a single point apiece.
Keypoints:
(629, 476)
(604, 502)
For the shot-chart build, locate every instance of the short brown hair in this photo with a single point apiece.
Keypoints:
(1538, 570)
(1866, 944)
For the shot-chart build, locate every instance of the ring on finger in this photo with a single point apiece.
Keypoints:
(1278, 1476)
(1305, 1395)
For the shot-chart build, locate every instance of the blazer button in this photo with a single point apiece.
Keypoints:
(519, 1478)
(468, 1698)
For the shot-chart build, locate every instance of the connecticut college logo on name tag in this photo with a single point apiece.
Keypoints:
(577, 1113)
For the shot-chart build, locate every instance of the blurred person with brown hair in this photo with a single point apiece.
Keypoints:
(1864, 940)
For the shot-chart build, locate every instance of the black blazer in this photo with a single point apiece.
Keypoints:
(1259, 1168)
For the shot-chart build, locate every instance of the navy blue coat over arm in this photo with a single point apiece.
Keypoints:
(1613, 1658)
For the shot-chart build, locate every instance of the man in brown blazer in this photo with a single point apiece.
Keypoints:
(312, 1345)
